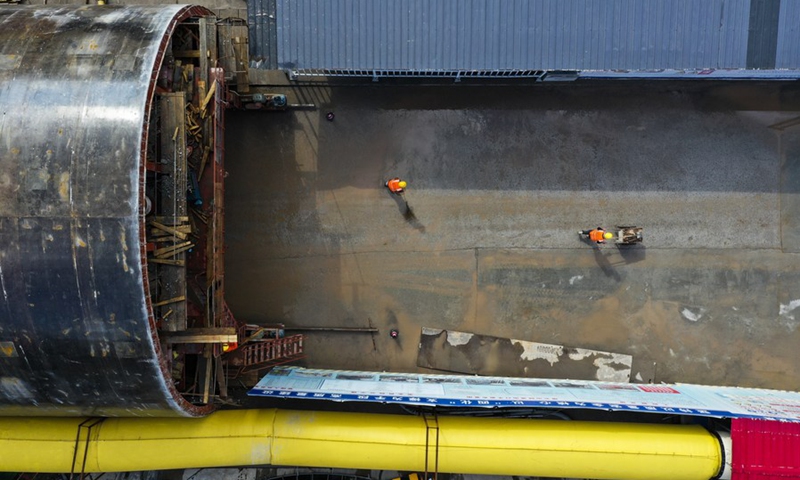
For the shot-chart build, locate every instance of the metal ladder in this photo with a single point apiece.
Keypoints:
(431, 426)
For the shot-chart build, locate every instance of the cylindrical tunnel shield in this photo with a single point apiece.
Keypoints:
(77, 333)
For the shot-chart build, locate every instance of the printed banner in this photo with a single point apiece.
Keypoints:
(488, 392)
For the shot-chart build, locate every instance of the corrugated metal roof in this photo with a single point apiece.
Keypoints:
(532, 35)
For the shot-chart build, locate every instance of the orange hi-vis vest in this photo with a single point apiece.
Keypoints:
(596, 235)
(394, 185)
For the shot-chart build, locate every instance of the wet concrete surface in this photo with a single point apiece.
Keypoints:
(500, 180)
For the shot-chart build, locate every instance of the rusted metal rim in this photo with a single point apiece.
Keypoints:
(184, 405)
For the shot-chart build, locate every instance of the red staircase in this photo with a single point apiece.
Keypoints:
(266, 353)
(261, 347)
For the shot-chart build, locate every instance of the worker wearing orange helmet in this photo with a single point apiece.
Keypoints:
(396, 185)
(598, 235)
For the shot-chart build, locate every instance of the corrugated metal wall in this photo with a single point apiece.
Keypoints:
(262, 19)
(527, 35)
(765, 450)
(788, 51)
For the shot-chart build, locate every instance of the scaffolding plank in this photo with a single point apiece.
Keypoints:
(208, 47)
(202, 335)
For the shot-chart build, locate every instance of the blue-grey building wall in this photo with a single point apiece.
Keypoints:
(788, 51)
(525, 35)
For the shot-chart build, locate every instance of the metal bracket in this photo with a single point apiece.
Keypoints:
(87, 424)
(431, 423)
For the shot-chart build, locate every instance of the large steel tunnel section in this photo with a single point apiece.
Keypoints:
(78, 335)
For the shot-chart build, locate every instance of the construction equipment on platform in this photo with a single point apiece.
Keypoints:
(264, 101)
(629, 235)
(622, 235)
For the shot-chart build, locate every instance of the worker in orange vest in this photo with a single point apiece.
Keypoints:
(598, 235)
(396, 185)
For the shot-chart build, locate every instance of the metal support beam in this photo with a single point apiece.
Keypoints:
(242, 64)
(201, 335)
(173, 204)
(208, 47)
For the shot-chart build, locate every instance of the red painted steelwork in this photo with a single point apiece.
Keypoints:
(261, 354)
(259, 347)
(765, 449)
(215, 270)
(164, 364)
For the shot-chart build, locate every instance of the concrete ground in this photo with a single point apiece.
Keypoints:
(500, 180)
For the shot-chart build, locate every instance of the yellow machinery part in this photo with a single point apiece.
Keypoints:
(489, 446)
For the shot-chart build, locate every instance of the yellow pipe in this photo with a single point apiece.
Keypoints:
(41, 444)
(489, 446)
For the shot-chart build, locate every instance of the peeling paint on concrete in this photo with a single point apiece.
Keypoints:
(616, 368)
(580, 353)
(540, 351)
(692, 316)
(431, 331)
(458, 338)
(786, 310)
(477, 354)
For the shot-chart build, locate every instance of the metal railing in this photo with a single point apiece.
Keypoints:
(376, 74)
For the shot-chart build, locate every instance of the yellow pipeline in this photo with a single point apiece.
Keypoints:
(489, 446)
